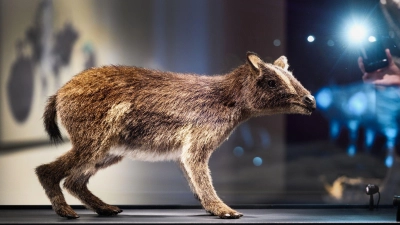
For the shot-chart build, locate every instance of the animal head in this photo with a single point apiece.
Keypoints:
(273, 89)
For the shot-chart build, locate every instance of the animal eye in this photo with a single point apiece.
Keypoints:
(271, 83)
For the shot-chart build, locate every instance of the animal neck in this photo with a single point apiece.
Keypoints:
(229, 89)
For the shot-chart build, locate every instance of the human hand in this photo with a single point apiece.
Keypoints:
(387, 76)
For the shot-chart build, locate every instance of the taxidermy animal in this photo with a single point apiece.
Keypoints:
(114, 112)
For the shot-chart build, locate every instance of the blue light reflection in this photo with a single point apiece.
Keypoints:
(257, 161)
(355, 106)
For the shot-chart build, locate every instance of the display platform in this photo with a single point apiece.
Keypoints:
(253, 214)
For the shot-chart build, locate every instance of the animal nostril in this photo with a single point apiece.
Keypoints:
(309, 99)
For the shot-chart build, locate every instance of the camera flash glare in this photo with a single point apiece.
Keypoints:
(357, 33)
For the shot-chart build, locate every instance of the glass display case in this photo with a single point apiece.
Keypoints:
(323, 160)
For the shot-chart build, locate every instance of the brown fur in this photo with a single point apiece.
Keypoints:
(117, 111)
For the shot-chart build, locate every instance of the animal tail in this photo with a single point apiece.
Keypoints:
(50, 120)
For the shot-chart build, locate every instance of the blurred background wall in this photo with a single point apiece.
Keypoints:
(43, 43)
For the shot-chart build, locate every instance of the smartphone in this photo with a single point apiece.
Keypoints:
(373, 53)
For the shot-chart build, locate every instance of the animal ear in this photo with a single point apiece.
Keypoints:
(254, 60)
(282, 62)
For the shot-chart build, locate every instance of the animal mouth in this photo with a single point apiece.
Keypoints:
(308, 108)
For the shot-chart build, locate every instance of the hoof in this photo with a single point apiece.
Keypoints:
(221, 210)
(72, 216)
(232, 215)
(67, 212)
(109, 211)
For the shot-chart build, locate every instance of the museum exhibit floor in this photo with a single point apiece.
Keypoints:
(255, 214)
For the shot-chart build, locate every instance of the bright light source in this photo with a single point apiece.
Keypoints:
(357, 33)
(310, 38)
(371, 39)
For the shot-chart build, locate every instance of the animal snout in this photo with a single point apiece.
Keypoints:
(309, 100)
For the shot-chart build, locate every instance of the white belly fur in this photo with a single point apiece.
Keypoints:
(146, 155)
(151, 155)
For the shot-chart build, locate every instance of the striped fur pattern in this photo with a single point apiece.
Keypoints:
(114, 112)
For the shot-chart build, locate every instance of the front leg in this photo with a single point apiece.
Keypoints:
(195, 162)
(191, 186)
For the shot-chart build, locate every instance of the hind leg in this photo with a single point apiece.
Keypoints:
(50, 176)
(76, 184)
